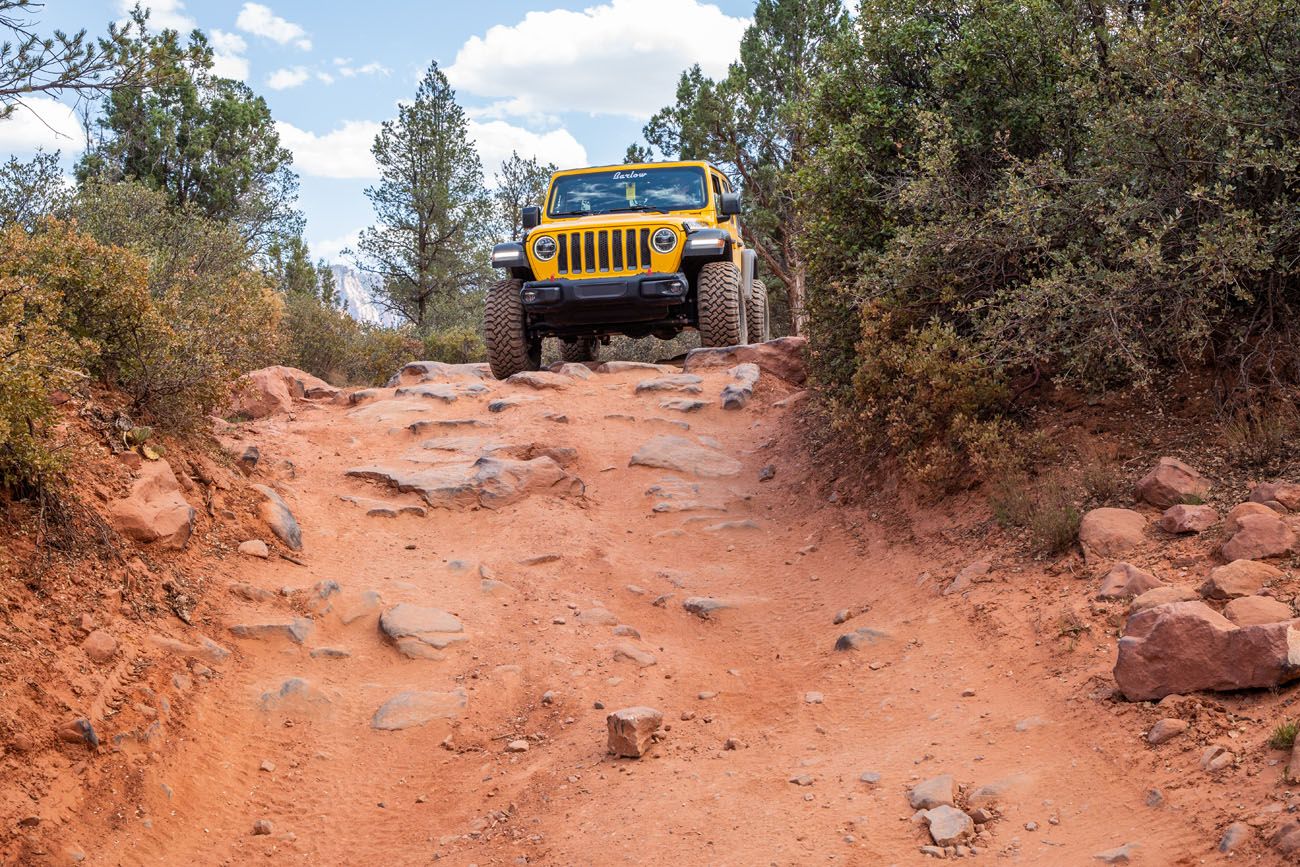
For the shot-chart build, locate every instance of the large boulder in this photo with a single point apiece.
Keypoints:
(1186, 647)
(1238, 578)
(783, 358)
(1106, 534)
(273, 389)
(1286, 493)
(156, 511)
(1260, 536)
(419, 632)
(1172, 482)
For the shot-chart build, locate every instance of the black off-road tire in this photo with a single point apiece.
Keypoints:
(580, 350)
(756, 311)
(509, 350)
(721, 305)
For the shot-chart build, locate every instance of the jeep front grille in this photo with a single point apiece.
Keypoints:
(603, 251)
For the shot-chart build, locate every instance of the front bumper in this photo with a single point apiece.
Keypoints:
(636, 298)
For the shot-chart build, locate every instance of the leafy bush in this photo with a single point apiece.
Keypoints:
(213, 316)
(36, 357)
(1011, 194)
(1284, 735)
(455, 346)
(326, 341)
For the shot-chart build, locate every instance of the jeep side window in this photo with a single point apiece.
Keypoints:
(717, 187)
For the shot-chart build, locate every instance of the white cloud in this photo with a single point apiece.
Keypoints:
(163, 14)
(259, 20)
(345, 152)
(228, 59)
(284, 79)
(41, 123)
(621, 58)
(341, 153)
(325, 77)
(347, 70)
(496, 139)
(331, 249)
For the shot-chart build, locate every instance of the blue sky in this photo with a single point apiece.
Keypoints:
(569, 82)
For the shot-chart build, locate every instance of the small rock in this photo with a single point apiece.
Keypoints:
(1236, 834)
(100, 647)
(1118, 855)
(1188, 519)
(262, 828)
(78, 731)
(704, 606)
(1165, 730)
(767, 473)
(1172, 482)
(870, 777)
(802, 779)
(255, 548)
(1216, 757)
(267, 765)
(841, 616)
(1125, 580)
(1255, 610)
(519, 746)
(813, 698)
(1238, 578)
(934, 792)
(949, 826)
(631, 730)
(1105, 534)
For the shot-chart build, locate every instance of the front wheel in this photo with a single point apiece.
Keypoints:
(760, 325)
(509, 350)
(722, 319)
(580, 350)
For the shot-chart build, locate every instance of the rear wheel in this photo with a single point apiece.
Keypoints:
(760, 326)
(509, 350)
(721, 307)
(580, 349)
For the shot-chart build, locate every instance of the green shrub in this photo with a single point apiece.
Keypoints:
(1043, 505)
(1284, 734)
(455, 346)
(36, 357)
(213, 314)
(324, 340)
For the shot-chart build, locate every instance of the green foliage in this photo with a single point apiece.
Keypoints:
(212, 315)
(455, 346)
(1043, 505)
(324, 340)
(1284, 734)
(36, 357)
(520, 182)
(32, 190)
(430, 247)
(1016, 192)
(208, 143)
(754, 125)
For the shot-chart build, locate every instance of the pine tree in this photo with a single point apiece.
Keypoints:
(429, 247)
(520, 182)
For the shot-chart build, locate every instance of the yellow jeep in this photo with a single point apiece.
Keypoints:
(641, 249)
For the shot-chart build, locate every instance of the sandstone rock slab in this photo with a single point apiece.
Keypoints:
(279, 517)
(419, 632)
(783, 358)
(1188, 519)
(489, 482)
(688, 383)
(1260, 536)
(439, 392)
(272, 390)
(671, 452)
(1285, 493)
(1238, 578)
(931, 793)
(1125, 580)
(1255, 610)
(540, 380)
(416, 708)
(736, 394)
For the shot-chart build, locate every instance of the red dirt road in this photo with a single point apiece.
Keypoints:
(950, 685)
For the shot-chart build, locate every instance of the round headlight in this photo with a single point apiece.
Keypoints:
(664, 240)
(544, 248)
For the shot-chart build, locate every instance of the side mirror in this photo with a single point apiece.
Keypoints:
(531, 216)
(729, 204)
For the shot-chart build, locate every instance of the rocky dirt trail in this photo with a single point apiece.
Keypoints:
(488, 569)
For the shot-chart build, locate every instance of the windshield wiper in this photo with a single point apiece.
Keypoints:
(573, 213)
(637, 208)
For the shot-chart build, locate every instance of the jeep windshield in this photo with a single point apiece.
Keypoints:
(628, 190)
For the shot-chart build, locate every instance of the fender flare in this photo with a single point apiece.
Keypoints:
(748, 267)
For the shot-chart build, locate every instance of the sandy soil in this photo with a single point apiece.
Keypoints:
(983, 685)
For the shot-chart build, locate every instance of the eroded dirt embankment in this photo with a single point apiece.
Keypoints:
(488, 569)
